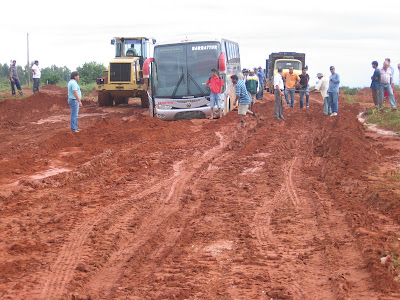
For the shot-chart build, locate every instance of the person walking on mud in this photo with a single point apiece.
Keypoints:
(216, 85)
(14, 79)
(279, 87)
(333, 91)
(261, 78)
(375, 84)
(252, 87)
(74, 100)
(243, 98)
(36, 76)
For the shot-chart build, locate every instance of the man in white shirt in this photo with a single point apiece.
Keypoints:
(36, 76)
(278, 86)
(322, 86)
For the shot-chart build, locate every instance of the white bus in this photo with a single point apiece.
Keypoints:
(179, 72)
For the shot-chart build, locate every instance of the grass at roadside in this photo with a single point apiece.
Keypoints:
(386, 118)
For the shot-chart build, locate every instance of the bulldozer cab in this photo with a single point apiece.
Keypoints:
(132, 47)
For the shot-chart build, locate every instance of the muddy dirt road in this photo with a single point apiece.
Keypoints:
(137, 208)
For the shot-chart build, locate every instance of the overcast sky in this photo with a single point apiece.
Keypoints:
(347, 34)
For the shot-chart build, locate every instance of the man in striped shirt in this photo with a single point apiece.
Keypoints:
(243, 98)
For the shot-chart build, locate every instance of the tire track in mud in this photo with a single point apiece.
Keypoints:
(71, 254)
(307, 242)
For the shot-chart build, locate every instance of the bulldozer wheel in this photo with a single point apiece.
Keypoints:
(105, 99)
(145, 101)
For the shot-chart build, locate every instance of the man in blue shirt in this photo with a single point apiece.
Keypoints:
(74, 100)
(376, 83)
(333, 91)
(261, 78)
(243, 98)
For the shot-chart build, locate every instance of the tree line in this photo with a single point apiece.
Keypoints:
(88, 72)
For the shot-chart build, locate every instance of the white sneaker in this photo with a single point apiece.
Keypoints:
(333, 114)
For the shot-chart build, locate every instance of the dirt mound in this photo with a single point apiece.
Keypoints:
(54, 88)
(16, 111)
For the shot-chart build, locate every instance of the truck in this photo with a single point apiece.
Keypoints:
(124, 77)
(282, 60)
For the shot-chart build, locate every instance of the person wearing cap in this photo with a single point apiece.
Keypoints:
(375, 84)
(333, 91)
(291, 80)
(245, 72)
(279, 87)
(252, 87)
(13, 72)
(322, 86)
(261, 78)
(36, 76)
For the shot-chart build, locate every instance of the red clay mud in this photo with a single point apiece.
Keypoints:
(136, 208)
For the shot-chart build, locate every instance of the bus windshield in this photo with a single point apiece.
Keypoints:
(182, 70)
(285, 64)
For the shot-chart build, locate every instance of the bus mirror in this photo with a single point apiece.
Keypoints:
(113, 42)
(154, 41)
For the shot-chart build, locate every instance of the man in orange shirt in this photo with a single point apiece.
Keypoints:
(216, 85)
(291, 80)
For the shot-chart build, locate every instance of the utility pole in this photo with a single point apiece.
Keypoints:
(27, 66)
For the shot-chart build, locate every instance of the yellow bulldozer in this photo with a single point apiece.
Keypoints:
(124, 78)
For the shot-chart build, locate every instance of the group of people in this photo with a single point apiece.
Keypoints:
(14, 78)
(382, 84)
(286, 84)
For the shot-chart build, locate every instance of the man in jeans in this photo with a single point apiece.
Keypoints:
(376, 83)
(322, 86)
(304, 87)
(333, 91)
(291, 80)
(215, 84)
(386, 85)
(14, 78)
(261, 78)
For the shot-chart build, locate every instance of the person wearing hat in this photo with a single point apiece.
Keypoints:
(261, 78)
(333, 91)
(322, 86)
(14, 78)
(36, 76)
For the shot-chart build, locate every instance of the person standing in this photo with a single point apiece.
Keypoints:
(386, 81)
(216, 85)
(243, 98)
(398, 67)
(304, 87)
(13, 73)
(36, 76)
(386, 94)
(278, 87)
(291, 80)
(333, 91)
(322, 86)
(252, 87)
(375, 84)
(261, 79)
(74, 100)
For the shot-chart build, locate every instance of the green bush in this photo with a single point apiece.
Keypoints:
(349, 91)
